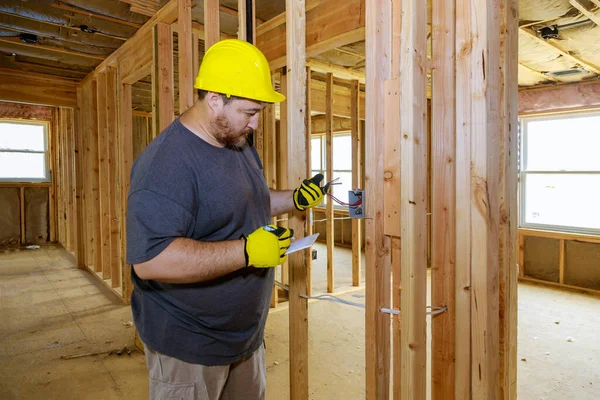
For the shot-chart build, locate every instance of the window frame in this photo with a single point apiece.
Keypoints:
(323, 170)
(523, 172)
(45, 152)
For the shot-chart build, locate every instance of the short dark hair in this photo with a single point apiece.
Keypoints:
(202, 94)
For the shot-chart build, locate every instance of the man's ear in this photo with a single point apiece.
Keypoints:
(214, 101)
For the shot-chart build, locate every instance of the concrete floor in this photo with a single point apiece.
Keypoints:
(50, 309)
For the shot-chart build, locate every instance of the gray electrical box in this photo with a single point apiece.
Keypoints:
(356, 203)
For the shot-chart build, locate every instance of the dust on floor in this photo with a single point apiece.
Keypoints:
(50, 309)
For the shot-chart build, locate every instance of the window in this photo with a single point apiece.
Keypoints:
(342, 162)
(23, 151)
(560, 173)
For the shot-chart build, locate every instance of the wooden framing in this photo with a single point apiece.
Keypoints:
(212, 27)
(186, 55)
(377, 325)
(162, 79)
(309, 212)
(357, 167)
(34, 88)
(573, 97)
(126, 161)
(329, 178)
(296, 169)
(104, 176)
(443, 246)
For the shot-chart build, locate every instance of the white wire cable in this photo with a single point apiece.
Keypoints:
(329, 297)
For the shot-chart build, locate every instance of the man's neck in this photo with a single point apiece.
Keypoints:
(196, 120)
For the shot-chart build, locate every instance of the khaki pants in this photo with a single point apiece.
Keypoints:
(171, 378)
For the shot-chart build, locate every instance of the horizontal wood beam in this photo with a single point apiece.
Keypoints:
(27, 66)
(18, 42)
(95, 15)
(571, 97)
(594, 17)
(552, 45)
(336, 70)
(342, 100)
(279, 20)
(321, 35)
(30, 87)
(318, 125)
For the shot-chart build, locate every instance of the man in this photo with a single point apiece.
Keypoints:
(197, 236)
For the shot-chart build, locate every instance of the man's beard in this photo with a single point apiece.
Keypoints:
(227, 137)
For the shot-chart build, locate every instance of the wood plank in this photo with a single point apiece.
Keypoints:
(53, 151)
(23, 239)
(413, 198)
(126, 155)
(377, 324)
(342, 101)
(112, 112)
(309, 212)
(396, 319)
(296, 169)
(443, 231)
(162, 83)
(463, 50)
(357, 165)
(34, 88)
(79, 212)
(186, 56)
(391, 158)
(195, 57)
(572, 97)
(73, 183)
(564, 286)
(54, 49)
(337, 70)
(282, 161)
(560, 235)
(212, 27)
(521, 255)
(485, 193)
(104, 176)
(329, 177)
(561, 261)
(95, 15)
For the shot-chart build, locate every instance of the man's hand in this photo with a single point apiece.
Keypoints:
(266, 246)
(310, 193)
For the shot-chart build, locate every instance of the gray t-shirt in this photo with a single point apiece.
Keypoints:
(182, 186)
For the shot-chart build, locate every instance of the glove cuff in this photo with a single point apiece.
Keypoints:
(295, 198)
(246, 250)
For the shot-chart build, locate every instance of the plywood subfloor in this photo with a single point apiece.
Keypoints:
(49, 309)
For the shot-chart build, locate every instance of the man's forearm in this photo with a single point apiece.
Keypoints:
(282, 201)
(188, 261)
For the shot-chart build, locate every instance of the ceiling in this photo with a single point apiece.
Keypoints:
(71, 37)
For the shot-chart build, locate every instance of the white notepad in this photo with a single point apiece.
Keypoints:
(302, 243)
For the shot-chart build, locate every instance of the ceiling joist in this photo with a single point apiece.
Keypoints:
(594, 17)
(18, 42)
(552, 45)
(95, 15)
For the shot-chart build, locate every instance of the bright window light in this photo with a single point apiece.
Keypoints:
(23, 151)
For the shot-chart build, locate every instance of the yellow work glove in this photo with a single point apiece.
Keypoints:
(310, 193)
(266, 246)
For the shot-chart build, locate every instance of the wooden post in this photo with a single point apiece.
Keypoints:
(23, 240)
(377, 324)
(126, 156)
(296, 169)
(356, 180)
(443, 246)
(521, 256)
(212, 29)
(561, 261)
(282, 161)
(162, 79)
(195, 56)
(93, 171)
(186, 55)
(309, 212)
(113, 162)
(79, 179)
(463, 199)
(413, 198)
(53, 177)
(329, 177)
(104, 174)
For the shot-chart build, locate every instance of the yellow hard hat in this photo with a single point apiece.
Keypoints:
(237, 68)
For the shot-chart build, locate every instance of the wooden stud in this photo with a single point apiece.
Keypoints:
(309, 212)
(521, 255)
(443, 241)
(561, 261)
(186, 55)
(79, 212)
(282, 161)
(241, 15)
(463, 235)
(23, 239)
(356, 182)
(112, 112)
(485, 191)
(296, 169)
(104, 174)
(162, 84)
(377, 324)
(126, 157)
(195, 55)
(53, 151)
(212, 26)
(93, 165)
(413, 198)
(329, 177)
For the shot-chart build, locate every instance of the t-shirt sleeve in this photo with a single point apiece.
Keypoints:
(153, 222)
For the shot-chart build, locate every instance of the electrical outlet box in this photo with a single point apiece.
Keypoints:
(356, 201)
(314, 254)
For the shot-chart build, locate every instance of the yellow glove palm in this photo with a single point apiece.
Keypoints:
(309, 194)
(266, 246)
